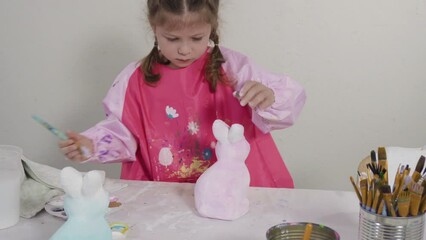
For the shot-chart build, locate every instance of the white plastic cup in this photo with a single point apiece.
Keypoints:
(10, 184)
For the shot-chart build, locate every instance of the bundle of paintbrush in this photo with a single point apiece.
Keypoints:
(406, 198)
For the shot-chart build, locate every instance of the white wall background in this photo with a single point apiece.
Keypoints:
(363, 64)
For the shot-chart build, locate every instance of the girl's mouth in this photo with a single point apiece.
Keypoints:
(184, 60)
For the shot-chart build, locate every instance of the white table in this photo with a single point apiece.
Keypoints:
(158, 210)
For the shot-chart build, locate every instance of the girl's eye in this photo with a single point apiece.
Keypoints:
(172, 39)
(197, 39)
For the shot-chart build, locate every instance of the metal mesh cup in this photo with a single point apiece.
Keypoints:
(295, 231)
(373, 226)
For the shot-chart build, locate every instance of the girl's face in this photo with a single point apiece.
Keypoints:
(184, 45)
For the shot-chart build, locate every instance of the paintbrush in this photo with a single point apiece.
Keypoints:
(377, 199)
(308, 231)
(373, 158)
(363, 186)
(61, 135)
(407, 170)
(386, 192)
(397, 186)
(380, 208)
(419, 167)
(397, 177)
(403, 203)
(370, 196)
(51, 128)
(423, 183)
(382, 159)
(356, 189)
(416, 196)
(402, 184)
(423, 204)
(374, 169)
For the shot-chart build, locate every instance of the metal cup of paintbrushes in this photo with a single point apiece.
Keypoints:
(374, 226)
(296, 231)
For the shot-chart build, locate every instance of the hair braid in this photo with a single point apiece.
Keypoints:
(148, 62)
(214, 63)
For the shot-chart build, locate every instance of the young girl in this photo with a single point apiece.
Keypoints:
(159, 111)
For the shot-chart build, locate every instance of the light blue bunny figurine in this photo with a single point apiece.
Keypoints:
(86, 203)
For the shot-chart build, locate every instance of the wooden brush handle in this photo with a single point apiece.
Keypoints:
(308, 231)
(375, 201)
(369, 199)
(380, 209)
(423, 205)
(387, 197)
(356, 189)
(415, 203)
(403, 208)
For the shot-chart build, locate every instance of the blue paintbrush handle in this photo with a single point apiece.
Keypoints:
(49, 127)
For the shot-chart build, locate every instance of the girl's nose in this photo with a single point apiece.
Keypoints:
(184, 50)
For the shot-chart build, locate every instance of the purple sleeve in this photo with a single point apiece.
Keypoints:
(112, 141)
(289, 95)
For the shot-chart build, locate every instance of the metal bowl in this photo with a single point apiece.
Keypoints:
(296, 230)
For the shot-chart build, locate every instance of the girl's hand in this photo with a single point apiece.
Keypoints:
(256, 95)
(77, 148)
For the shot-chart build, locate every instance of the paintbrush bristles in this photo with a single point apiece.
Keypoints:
(381, 153)
(386, 192)
(415, 203)
(420, 164)
(404, 204)
(373, 156)
(382, 159)
(385, 189)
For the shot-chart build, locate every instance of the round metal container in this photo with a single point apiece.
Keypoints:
(296, 231)
(373, 226)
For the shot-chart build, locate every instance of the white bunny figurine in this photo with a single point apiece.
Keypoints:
(221, 191)
(86, 203)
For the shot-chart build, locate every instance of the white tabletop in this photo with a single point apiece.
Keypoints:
(158, 210)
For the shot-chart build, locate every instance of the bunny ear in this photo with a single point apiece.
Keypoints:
(71, 181)
(236, 133)
(220, 130)
(92, 182)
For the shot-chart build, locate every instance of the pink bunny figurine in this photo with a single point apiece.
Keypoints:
(221, 191)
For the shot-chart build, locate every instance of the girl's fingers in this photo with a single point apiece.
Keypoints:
(246, 93)
(72, 147)
(265, 104)
(73, 135)
(74, 155)
(255, 100)
(257, 95)
(65, 143)
(69, 148)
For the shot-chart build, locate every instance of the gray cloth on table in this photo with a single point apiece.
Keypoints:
(41, 184)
